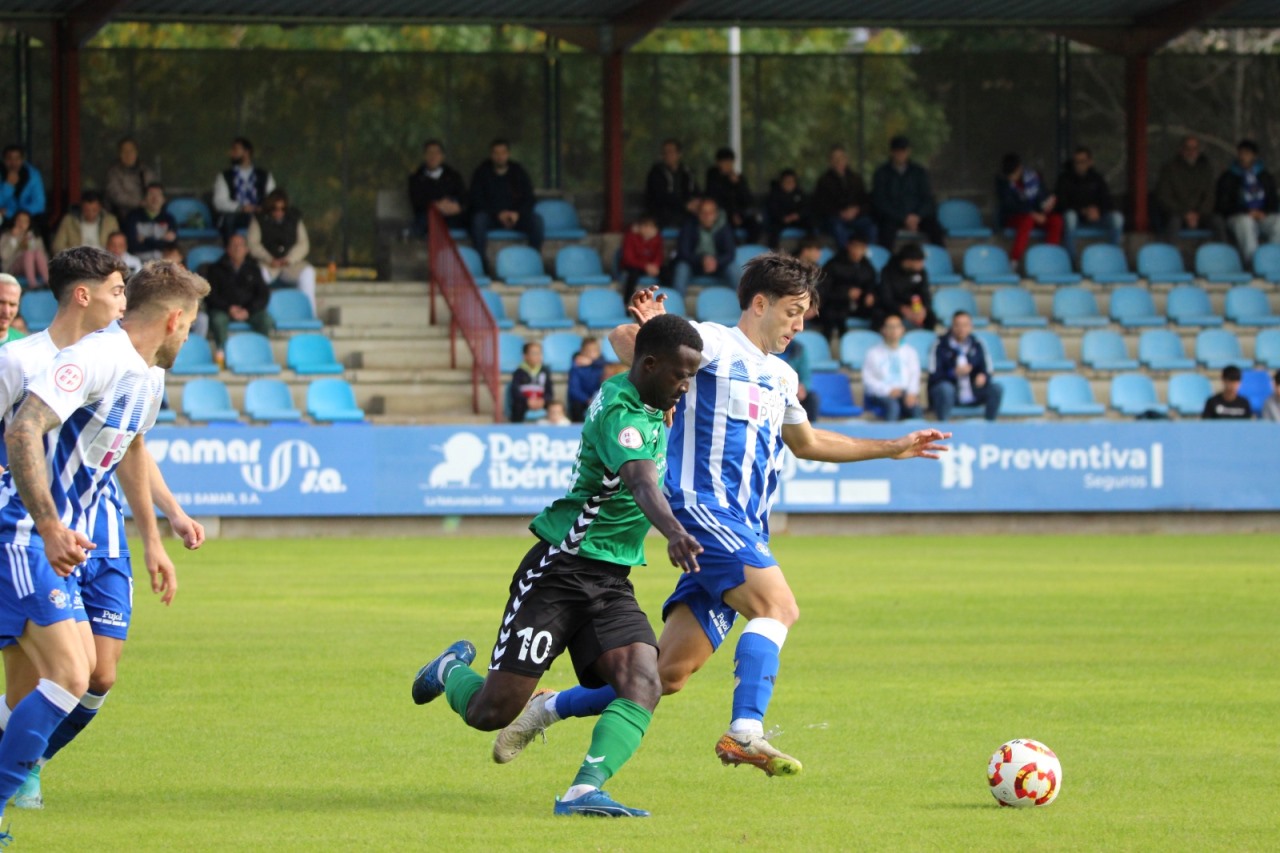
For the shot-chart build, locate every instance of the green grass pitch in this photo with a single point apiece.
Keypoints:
(269, 708)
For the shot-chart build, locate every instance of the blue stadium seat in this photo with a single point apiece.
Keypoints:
(718, 305)
(497, 309)
(1161, 349)
(542, 309)
(674, 303)
(987, 264)
(1188, 392)
(879, 256)
(1188, 305)
(194, 359)
(38, 308)
(475, 265)
(1015, 307)
(1217, 348)
(249, 354)
(195, 220)
(270, 400)
(825, 255)
(854, 346)
(521, 266)
(642, 281)
(937, 263)
(1266, 348)
(201, 255)
(291, 311)
(1017, 401)
(818, 351)
(670, 232)
(962, 219)
(1075, 306)
(459, 234)
(1049, 264)
(835, 397)
(607, 351)
(1219, 263)
(994, 345)
(947, 302)
(1256, 387)
(333, 400)
(1070, 394)
(600, 308)
(206, 400)
(1135, 394)
(1266, 262)
(1132, 307)
(1042, 350)
(747, 251)
(558, 350)
(1103, 349)
(1160, 263)
(1106, 264)
(510, 351)
(580, 265)
(559, 220)
(311, 354)
(166, 416)
(922, 341)
(1249, 306)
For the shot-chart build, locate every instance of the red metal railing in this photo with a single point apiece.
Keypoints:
(469, 314)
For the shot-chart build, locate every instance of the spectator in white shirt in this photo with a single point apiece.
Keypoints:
(891, 374)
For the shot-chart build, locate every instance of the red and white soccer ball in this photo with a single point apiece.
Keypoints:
(1024, 773)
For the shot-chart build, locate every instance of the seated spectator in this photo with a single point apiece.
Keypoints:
(88, 226)
(118, 245)
(670, 191)
(1228, 404)
(22, 252)
(902, 197)
(10, 300)
(1184, 191)
(810, 251)
(436, 184)
(891, 374)
(239, 192)
(1024, 204)
(278, 241)
(556, 415)
(841, 204)
(728, 187)
(22, 188)
(796, 356)
(502, 197)
(585, 376)
(705, 248)
(904, 289)
(150, 229)
(127, 180)
(960, 372)
(1271, 408)
(787, 207)
(642, 254)
(848, 289)
(238, 292)
(1247, 200)
(530, 389)
(1084, 199)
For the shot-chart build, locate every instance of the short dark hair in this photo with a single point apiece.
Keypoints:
(14, 147)
(243, 142)
(276, 195)
(787, 173)
(646, 219)
(128, 139)
(90, 196)
(955, 314)
(1247, 145)
(1084, 149)
(1009, 164)
(527, 344)
(164, 285)
(155, 185)
(664, 335)
(911, 252)
(899, 143)
(1231, 373)
(808, 243)
(500, 140)
(834, 148)
(725, 154)
(776, 275)
(433, 141)
(671, 140)
(82, 264)
(226, 241)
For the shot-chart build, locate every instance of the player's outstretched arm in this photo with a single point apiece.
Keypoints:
(641, 477)
(645, 304)
(135, 478)
(190, 531)
(825, 446)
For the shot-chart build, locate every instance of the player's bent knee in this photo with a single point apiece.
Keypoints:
(674, 677)
(100, 682)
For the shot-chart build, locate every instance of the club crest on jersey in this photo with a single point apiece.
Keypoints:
(630, 438)
(763, 549)
(58, 599)
(69, 377)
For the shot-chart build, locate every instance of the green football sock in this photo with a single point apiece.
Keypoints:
(461, 682)
(614, 740)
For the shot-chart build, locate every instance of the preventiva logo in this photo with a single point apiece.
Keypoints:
(1105, 466)
(287, 459)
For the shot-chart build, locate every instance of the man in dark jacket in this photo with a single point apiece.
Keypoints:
(436, 183)
(150, 229)
(1248, 202)
(849, 289)
(670, 191)
(530, 389)
(786, 207)
(904, 289)
(502, 197)
(1184, 191)
(902, 197)
(841, 203)
(729, 188)
(1084, 199)
(237, 292)
(705, 248)
(960, 372)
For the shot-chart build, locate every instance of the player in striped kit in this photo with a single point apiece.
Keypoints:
(727, 440)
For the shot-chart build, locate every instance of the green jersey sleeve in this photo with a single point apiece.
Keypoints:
(625, 435)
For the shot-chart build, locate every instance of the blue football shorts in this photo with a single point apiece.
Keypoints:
(106, 586)
(31, 591)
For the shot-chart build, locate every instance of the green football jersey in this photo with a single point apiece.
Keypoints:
(599, 518)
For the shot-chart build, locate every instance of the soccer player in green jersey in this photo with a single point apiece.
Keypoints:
(571, 590)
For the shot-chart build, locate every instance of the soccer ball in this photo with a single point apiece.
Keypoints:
(1024, 773)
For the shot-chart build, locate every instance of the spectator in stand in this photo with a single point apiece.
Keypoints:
(904, 289)
(728, 187)
(1247, 200)
(705, 248)
(88, 226)
(1271, 408)
(848, 289)
(796, 356)
(1025, 204)
(530, 389)
(810, 251)
(1228, 404)
(239, 192)
(238, 292)
(642, 254)
(585, 375)
(556, 415)
(118, 245)
(278, 241)
(1084, 199)
(960, 372)
(891, 374)
(150, 229)
(10, 300)
(902, 197)
(1184, 192)
(841, 204)
(22, 252)
(786, 207)
(127, 180)
(670, 191)
(436, 184)
(22, 187)
(502, 197)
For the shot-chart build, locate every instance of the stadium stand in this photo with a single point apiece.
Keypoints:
(542, 309)
(271, 401)
(38, 309)
(1103, 263)
(1134, 394)
(1132, 307)
(962, 220)
(309, 355)
(996, 353)
(520, 266)
(207, 401)
(1217, 348)
(1188, 305)
(1249, 306)
(854, 345)
(1015, 308)
(291, 311)
(937, 263)
(1071, 395)
(559, 220)
(921, 340)
(195, 220)
(497, 309)
(1103, 349)
(1161, 349)
(194, 359)
(1256, 387)
(1266, 348)
(332, 401)
(201, 255)
(1042, 351)
(818, 351)
(1188, 393)
(948, 302)
(600, 309)
(1075, 306)
(510, 351)
(988, 264)
(578, 266)
(1017, 400)
(1266, 262)
(717, 305)
(835, 395)
(1160, 263)
(249, 354)
(558, 350)
(1219, 263)
(1050, 264)
(475, 265)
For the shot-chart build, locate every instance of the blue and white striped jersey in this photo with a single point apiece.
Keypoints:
(725, 447)
(105, 395)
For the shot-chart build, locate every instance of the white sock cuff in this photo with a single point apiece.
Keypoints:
(93, 701)
(770, 629)
(5, 712)
(57, 696)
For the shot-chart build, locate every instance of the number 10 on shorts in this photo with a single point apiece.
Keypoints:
(534, 647)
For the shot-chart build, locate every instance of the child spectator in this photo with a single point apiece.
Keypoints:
(904, 288)
(1025, 204)
(530, 388)
(150, 229)
(556, 415)
(1228, 404)
(642, 254)
(22, 252)
(848, 288)
(787, 207)
(585, 376)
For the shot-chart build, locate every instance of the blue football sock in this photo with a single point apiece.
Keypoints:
(755, 669)
(32, 722)
(81, 715)
(583, 701)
